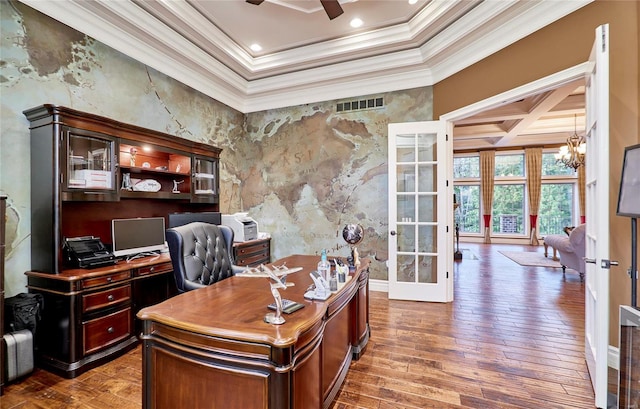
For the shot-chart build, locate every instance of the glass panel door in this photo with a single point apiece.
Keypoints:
(90, 163)
(205, 180)
(417, 221)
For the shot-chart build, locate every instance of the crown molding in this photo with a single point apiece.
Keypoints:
(295, 77)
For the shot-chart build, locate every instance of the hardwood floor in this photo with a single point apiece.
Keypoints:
(513, 338)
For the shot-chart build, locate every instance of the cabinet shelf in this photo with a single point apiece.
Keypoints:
(136, 170)
(128, 194)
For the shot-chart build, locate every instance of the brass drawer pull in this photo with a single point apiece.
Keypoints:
(110, 297)
(110, 330)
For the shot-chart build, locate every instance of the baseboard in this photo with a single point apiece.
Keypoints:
(379, 285)
(613, 358)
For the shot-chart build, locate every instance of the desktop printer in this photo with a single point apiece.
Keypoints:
(244, 227)
(87, 252)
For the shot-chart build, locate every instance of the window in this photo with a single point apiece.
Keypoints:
(509, 197)
(466, 173)
(558, 206)
(510, 165)
(550, 167)
(510, 213)
(467, 216)
(466, 167)
(508, 209)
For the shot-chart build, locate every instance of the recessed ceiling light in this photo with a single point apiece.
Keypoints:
(255, 47)
(413, 1)
(356, 22)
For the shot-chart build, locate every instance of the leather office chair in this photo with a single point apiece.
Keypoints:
(201, 254)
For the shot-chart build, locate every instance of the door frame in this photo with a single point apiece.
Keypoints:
(546, 83)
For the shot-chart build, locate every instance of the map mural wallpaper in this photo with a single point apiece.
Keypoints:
(302, 172)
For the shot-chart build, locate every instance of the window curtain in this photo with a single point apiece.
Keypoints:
(581, 192)
(533, 160)
(487, 174)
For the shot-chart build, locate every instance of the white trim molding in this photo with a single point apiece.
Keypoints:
(421, 52)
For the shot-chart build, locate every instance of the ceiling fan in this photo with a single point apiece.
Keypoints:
(331, 7)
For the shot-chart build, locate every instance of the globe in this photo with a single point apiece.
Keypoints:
(353, 233)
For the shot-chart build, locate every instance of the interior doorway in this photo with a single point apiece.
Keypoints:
(553, 81)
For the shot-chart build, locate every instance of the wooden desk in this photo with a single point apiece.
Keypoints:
(89, 314)
(211, 348)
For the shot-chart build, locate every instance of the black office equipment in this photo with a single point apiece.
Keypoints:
(180, 219)
(87, 252)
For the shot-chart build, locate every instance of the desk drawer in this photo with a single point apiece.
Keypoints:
(254, 259)
(101, 299)
(106, 279)
(105, 331)
(252, 248)
(252, 253)
(155, 269)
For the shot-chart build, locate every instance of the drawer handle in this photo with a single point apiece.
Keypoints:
(110, 330)
(152, 269)
(110, 297)
(109, 279)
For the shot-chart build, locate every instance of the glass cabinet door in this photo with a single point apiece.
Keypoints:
(90, 163)
(205, 180)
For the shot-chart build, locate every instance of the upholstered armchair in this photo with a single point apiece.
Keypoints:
(571, 249)
(201, 254)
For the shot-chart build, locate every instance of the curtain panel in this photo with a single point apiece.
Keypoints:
(581, 192)
(533, 161)
(487, 174)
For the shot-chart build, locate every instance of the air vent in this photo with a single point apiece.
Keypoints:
(359, 105)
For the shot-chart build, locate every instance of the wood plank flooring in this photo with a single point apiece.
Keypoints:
(513, 338)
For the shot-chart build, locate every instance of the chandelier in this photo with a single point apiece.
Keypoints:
(572, 154)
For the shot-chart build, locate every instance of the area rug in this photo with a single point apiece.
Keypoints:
(531, 258)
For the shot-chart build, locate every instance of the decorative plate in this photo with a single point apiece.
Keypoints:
(147, 185)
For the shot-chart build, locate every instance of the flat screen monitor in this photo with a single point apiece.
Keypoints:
(136, 236)
(180, 219)
(628, 203)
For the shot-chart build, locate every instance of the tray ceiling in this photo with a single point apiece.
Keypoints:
(306, 57)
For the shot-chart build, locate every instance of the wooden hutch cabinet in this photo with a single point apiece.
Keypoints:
(85, 171)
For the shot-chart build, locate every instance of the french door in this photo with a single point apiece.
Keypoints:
(597, 212)
(420, 241)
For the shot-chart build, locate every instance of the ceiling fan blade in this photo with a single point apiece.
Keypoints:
(332, 7)
(256, 2)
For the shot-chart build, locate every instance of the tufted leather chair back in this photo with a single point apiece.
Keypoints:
(201, 254)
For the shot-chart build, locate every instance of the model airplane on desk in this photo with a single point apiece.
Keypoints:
(274, 275)
(269, 272)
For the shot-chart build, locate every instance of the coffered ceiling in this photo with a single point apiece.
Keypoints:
(306, 57)
(547, 118)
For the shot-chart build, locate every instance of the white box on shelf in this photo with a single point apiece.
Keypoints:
(93, 178)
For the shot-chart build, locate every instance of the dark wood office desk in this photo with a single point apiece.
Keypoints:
(89, 314)
(211, 348)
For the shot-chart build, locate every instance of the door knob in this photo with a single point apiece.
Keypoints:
(392, 232)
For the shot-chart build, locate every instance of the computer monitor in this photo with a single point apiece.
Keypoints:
(179, 219)
(137, 236)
